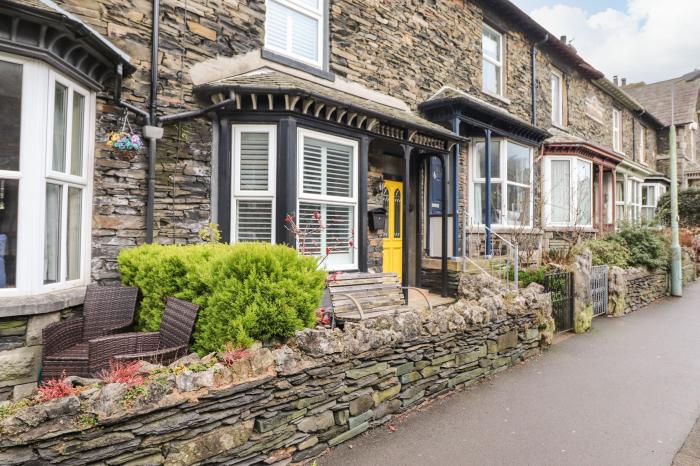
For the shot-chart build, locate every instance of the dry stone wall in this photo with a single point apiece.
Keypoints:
(288, 403)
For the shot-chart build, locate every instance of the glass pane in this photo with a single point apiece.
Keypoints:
(52, 234)
(584, 194)
(310, 242)
(491, 44)
(60, 112)
(276, 26)
(556, 98)
(518, 163)
(75, 203)
(339, 229)
(491, 75)
(328, 168)
(561, 191)
(334, 239)
(253, 166)
(480, 168)
(480, 203)
(9, 190)
(77, 135)
(397, 214)
(304, 35)
(518, 205)
(10, 117)
(620, 192)
(254, 220)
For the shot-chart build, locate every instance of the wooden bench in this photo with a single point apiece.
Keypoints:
(360, 295)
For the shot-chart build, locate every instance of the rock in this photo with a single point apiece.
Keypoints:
(23, 391)
(14, 456)
(583, 302)
(262, 362)
(341, 417)
(357, 420)
(308, 443)
(263, 425)
(617, 290)
(20, 365)
(349, 434)
(36, 325)
(317, 423)
(310, 452)
(361, 404)
(379, 396)
(188, 381)
(186, 360)
(507, 341)
(108, 400)
(365, 371)
(77, 381)
(209, 444)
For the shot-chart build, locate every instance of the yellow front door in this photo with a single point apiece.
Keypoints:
(393, 235)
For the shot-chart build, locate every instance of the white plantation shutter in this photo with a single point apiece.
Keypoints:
(254, 162)
(293, 27)
(328, 175)
(253, 206)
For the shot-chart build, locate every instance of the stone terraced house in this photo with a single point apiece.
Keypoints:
(382, 116)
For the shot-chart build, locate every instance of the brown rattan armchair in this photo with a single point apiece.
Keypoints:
(106, 310)
(162, 347)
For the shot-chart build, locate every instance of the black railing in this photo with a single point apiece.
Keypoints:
(560, 285)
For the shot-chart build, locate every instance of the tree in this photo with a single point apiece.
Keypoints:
(688, 208)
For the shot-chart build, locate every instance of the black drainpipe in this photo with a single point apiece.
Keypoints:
(152, 108)
(533, 57)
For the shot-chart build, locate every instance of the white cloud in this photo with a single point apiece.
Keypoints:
(651, 41)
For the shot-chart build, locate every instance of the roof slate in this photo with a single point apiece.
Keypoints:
(656, 97)
(264, 81)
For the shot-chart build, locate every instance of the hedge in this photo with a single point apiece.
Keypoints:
(631, 246)
(246, 292)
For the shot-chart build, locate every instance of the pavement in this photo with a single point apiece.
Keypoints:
(626, 393)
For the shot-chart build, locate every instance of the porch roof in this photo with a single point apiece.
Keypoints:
(42, 29)
(449, 102)
(562, 143)
(257, 90)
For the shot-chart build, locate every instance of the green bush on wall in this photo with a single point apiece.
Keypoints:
(631, 246)
(246, 292)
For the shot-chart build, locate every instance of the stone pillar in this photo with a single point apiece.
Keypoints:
(617, 290)
(583, 302)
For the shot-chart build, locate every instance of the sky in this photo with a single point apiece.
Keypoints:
(641, 40)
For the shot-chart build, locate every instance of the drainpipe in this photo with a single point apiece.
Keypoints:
(533, 58)
(487, 193)
(151, 132)
(455, 191)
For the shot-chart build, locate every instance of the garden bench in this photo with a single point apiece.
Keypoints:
(362, 295)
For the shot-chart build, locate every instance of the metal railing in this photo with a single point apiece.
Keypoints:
(500, 260)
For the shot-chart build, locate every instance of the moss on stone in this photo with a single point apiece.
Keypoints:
(547, 329)
(616, 306)
(583, 319)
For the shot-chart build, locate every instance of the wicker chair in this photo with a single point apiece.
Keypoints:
(162, 347)
(106, 310)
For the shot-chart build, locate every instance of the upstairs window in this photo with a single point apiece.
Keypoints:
(642, 145)
(617, 130)
(492, 62)
(253, 206)
(557, 98)
(295, 28)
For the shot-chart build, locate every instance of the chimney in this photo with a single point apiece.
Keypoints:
(624, 82)
(615, 80)
(563, 39)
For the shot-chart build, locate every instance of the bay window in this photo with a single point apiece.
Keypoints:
(253, 206)
(327, 197)
(568, 192)
(492, 60)
(295, 28)
(511, 183)
(45, 180)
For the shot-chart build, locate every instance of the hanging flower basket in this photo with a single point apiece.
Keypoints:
(125, 143)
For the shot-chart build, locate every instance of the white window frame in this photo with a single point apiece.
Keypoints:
(36, 145)
(250, 195)
(633, 199)
(573, 186)
(302, 197)
(501, 183)
(617, 130)
(558, 74)
(658, 191)
(620, 209)
(642, 144)
(496, 62)
(318, 14)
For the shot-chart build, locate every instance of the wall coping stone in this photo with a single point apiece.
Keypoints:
(42, 303)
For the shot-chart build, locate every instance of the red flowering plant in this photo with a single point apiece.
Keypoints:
(55, 388)
(123, 372)
(308, 237)
(232, 354)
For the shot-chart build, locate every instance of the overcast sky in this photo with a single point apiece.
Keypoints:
(642, 40)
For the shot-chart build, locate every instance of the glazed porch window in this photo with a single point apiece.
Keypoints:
(327, 192)
(492, 60)
(45, 149)
(634, 200)
(620, 201)
(253, 206)
(511, 184)
(568, 192)
(294, 28)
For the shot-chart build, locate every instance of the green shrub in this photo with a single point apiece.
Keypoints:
(647, 247)
(246, 292)
(688, 208)
(529, 275)
(609, 250)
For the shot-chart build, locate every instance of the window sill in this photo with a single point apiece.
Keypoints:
(497, 96)
(292, 63)
(42, 303)
(560, 126)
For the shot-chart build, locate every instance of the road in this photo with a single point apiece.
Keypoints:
(626, 393)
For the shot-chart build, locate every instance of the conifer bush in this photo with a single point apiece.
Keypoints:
(246, 291)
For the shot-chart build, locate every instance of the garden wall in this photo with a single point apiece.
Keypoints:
(292, 402)
(644, 287)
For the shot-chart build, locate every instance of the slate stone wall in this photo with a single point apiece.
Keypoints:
(643, 288)
(294, 403)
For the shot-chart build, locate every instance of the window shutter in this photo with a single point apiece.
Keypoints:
(254, 162)
(254, 220)
(313, 237)
(313, 166)
(328, 168)
(294, 30)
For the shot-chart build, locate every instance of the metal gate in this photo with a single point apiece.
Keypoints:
(560, 285)
(599, 289)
